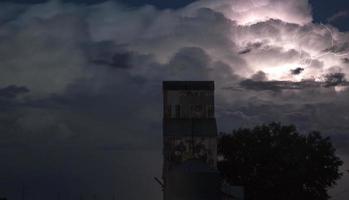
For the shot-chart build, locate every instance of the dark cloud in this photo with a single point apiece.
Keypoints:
(345, 60)
(245, 51)
(250, 47)
(109, 54)
(277, 86)
(297, 71)
(13, 91)
(118, 60)
(331, 80)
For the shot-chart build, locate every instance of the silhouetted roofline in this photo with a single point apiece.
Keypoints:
(188, 85)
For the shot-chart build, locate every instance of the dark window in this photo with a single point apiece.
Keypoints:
(198, 108)
(196, 111)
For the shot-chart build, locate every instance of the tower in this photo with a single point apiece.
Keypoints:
(190, 141)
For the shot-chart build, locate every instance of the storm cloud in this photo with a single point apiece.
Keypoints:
(297, 71)
(12, 91)
(82, 84)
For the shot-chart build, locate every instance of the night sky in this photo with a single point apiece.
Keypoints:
(80, 84)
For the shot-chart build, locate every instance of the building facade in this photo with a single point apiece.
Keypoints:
(190, 141)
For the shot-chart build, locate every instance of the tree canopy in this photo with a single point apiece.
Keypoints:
(276, 162)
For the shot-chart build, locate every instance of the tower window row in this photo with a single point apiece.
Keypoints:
(189, 111)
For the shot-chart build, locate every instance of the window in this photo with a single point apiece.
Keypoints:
(196, 111)
(198, 108)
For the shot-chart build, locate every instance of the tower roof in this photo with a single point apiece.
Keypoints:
(188, 85)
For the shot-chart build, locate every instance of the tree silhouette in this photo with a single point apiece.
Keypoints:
(275, 162)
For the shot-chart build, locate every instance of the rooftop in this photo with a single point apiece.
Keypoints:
(188, 85)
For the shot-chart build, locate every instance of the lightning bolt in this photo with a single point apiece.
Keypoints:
(333, 43)
(306, 61)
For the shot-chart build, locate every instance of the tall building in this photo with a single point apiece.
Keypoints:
(190, 141)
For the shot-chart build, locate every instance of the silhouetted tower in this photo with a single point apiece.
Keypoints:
(190, 141)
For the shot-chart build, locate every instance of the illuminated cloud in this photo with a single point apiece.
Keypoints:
(272, 36)
(253, 11)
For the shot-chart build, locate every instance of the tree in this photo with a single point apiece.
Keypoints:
(275, 162)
